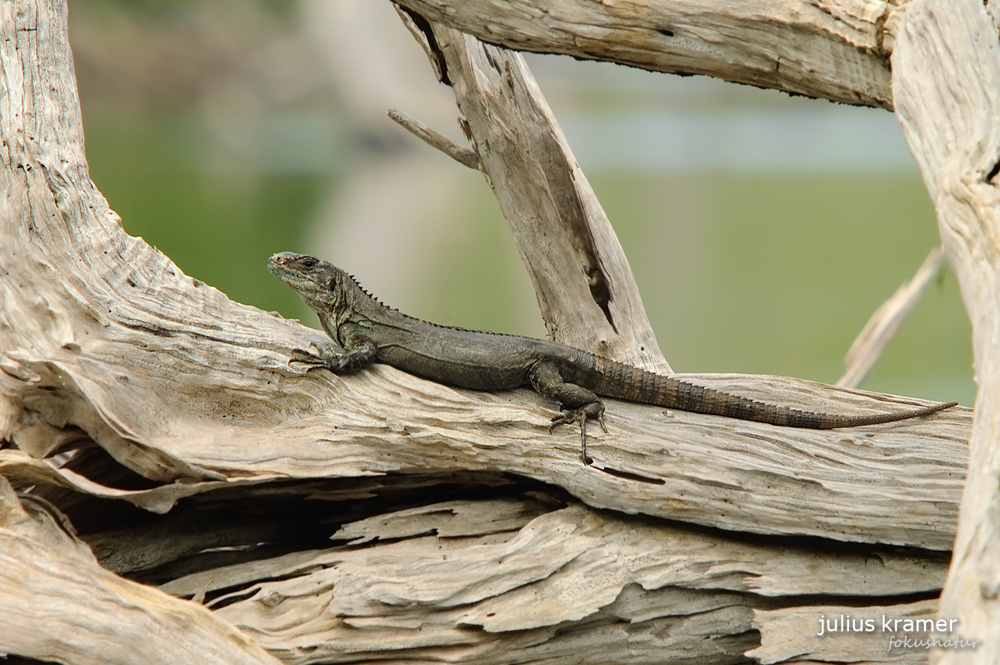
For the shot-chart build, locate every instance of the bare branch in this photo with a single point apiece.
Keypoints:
(768, 45)
(947, 89)
(885, 322)
(464, 156)
(585, 289)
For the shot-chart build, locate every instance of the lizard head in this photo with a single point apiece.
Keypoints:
(322, 285)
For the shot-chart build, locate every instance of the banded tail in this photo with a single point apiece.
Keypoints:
(636, 385)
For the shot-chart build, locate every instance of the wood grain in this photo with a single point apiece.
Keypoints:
(153, 431)
(831, 49)
(948, 63)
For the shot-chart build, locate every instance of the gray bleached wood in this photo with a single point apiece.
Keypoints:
(883, 324)
(492, 575)
(163, 393)
(895, 483)
(584, 286)
(59, 605)
(463, 156)
(791, 635)
(832, 49)
(946, 87)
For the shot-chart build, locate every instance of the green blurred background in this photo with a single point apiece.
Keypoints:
(763, 230)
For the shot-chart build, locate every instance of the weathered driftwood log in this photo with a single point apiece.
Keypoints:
(343, 519)
(58, 604)
(831, 49)
(946, 83)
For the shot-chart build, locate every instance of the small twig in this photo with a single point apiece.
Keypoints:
(464, 156)
(884, 323)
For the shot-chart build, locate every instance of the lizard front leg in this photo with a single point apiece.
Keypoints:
(577, 403)
(359, 352)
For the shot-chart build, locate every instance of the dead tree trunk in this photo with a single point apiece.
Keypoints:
(164, 470)
(947, 65)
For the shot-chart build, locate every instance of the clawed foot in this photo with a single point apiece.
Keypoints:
(317, 356)
(593, 410)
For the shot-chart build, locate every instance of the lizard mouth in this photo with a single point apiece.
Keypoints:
(283, 266)
(282, 273)
(306, 275)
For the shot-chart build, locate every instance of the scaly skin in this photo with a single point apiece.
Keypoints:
(371, 332)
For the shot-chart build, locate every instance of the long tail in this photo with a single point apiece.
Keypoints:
(637, 385)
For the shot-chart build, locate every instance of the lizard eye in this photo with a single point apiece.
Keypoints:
(309, 262)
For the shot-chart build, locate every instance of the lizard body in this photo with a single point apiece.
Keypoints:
(371, 332)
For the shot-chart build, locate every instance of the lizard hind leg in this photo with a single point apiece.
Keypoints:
(593, 410)
(577, 403)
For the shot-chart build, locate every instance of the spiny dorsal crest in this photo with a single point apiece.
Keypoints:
(430, 323)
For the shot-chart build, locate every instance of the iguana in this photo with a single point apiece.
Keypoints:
(371, 332)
